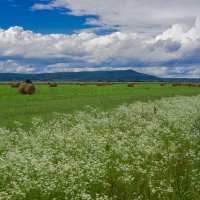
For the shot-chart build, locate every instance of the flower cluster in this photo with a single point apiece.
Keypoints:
(138, 151)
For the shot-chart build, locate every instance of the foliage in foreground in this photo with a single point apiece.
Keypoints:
(138, 151)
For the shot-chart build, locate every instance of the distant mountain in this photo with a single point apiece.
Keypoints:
(118, 75)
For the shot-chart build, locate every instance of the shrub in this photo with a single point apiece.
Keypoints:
(28, 81)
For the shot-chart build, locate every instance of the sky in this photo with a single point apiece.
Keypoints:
(156, 37)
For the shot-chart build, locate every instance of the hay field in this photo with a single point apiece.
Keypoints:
(69, 98)
(141, 151)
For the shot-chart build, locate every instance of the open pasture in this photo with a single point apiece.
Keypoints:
(67, 98)
(132, 152)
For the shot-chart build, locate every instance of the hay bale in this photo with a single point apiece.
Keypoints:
(26, 88)
(15, 85)
(194, 85)
(174, 84)
(130, 84)
(101, 84)
(53, 84)
(82, 84)
(22, 88)
(30, 89)
(162, 84)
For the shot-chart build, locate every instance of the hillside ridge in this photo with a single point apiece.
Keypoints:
(115, 75)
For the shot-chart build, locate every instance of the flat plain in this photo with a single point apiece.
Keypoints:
(141, 151)
(94, 142)
(70, 98)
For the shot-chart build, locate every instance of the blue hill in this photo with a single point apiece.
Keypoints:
(118, 75)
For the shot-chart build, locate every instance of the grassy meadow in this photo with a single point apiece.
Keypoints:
(69, 98)
(140, 151)
(93, 142)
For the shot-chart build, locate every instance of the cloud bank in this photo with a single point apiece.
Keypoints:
(146, 16)
(175, 52)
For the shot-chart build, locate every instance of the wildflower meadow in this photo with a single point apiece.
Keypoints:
(141, 151)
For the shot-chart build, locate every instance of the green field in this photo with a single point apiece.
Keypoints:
(69, 98)
(132, 152)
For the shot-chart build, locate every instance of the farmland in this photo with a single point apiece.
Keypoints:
(70, 98)
(141, 151)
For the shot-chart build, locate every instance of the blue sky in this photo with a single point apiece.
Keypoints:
(153, 36)
(18, 13)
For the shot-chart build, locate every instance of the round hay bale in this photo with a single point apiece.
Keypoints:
(22, 88)
(82, 84)
(26, 88)
(130, 84)
(15, 85)
(30, 89)
(53, 84)
(174, 84)
(100, 84)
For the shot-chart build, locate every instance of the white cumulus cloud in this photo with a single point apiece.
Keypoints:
(176, 48)
(149, 16)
